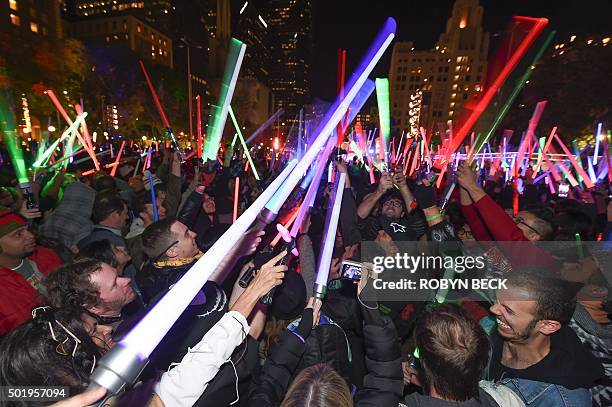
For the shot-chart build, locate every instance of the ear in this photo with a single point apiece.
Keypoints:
(548, 326)
(172, 252)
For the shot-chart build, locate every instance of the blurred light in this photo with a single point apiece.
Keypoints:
(262, 21)
(572, 38)
(606, 40)
(51, 128)
(243, 7)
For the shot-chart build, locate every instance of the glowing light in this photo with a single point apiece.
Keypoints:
(382, 97)
(598, 137)
(262, 21)
(218, 113)
(331, 226)
(246, 3)
(244, 146)
(463, 22)
(276, 143)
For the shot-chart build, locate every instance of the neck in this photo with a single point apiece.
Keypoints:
(10, 261)
(433, 393)
(521, 355)
(109, 225)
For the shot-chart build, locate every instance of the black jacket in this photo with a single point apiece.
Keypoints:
(383, 384)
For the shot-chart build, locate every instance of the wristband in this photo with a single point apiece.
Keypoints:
(434, 217)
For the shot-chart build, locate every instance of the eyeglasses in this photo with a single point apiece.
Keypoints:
(520, 221)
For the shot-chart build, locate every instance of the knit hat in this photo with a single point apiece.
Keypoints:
(9, 221)
(145, 180)
(290, 297)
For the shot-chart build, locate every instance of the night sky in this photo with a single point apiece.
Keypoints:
(352, 24)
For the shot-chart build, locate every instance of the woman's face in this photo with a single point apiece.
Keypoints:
(122, 256)
(101, 335)
(208, 204)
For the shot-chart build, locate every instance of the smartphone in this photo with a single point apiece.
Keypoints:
(563, 190)
(351, 270)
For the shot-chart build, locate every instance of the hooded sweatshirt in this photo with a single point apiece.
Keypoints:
(70, 222)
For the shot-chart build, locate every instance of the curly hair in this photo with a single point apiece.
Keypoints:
(41, 352)
(71, 286)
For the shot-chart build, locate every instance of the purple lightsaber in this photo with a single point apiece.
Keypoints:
(329, 238)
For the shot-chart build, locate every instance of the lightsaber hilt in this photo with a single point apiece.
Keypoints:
(264, 218)
(269, 297)
(175, 143)
(117, 369)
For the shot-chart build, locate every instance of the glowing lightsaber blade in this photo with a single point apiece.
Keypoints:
(382, 97)
(199, 126)
(244, 145)
(47, 154)
(265, 125)
(337, 110)
(219, 111)
(114, 170)
(463, 131)
(327, 246)
(597, 138)
(517, 90)
(236, 198)
(13, 142)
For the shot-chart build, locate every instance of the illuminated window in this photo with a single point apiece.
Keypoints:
(463, 22)
(15, 19)
(13, 5)
(138, 28)
(33, 27)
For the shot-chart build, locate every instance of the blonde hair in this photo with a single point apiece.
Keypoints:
(318, 386)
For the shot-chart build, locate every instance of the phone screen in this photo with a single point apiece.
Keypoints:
(351, 270)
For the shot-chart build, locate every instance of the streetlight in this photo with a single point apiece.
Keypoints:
(188, 46)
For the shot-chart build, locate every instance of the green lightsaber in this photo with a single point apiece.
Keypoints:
(517, 89)
(13, 143)
(246, 148)
(42, 160)
(382, 97)
(218, 115)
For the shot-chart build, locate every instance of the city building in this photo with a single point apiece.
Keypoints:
(127, 30)
(155, 12)
(252, 29)
(32, 17)
(290, 29)
(449, 75)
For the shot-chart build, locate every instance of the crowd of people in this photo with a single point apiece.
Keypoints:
(86, 262)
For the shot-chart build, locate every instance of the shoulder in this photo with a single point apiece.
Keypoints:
(45, 259)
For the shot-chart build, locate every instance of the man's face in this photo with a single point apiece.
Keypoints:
(115, 291)
(208, 204)
(101, 335)
(186, 246)
(19, 243)
(121, 255)
(161, 211)
(515, 313)
(526, 222)
(392, 208)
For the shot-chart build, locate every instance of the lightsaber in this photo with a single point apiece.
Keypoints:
(578, 168)
(244, 145)
(384, 117)
(337, 110)
(13, 144)
(517, 90)
(219, 112)
(236, 196)
(47, 154)
(114, 170)
(199, 126)
(160, 109)
(265, 125)
(463, 131)
(597, 138)
(327, 246)
(60, 108)
(153, 198)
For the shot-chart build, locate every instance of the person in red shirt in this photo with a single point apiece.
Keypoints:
(23, 265)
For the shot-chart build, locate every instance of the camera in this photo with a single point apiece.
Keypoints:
(563, 190)
(351, 270)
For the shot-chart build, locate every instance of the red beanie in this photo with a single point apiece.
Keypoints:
(9, 221)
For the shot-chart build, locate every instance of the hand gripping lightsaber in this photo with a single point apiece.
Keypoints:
(123, 364)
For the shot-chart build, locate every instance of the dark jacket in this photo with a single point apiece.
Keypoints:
(569, 363)
(383, 383)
